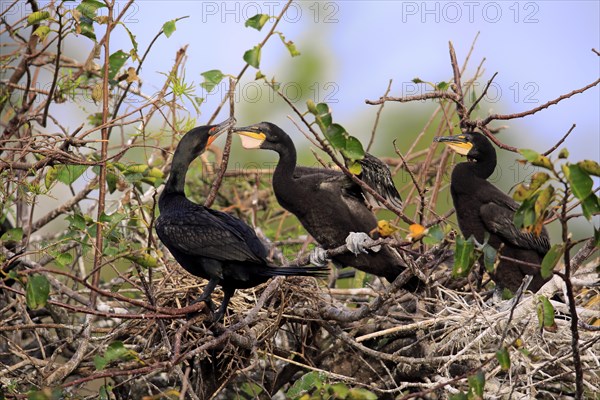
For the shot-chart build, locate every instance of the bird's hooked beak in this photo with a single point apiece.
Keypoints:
(218, 129)
(252, 137)
(458, 143)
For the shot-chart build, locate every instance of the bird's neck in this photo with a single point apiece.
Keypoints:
(284, 171)
(176, 182)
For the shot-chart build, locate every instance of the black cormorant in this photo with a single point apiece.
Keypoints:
(483, 208)
(328, 203)
(208, 243)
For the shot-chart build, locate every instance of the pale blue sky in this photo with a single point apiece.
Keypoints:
(540, 49)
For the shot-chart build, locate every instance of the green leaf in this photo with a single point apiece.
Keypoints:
(581, 183)
(289, 45)
(134, 43)
(88, 8)
(543, 201)
(458, 396)
(12, 235)
(417, 80)
(257, 22)
(435, 234)
(312, 107)
(45, 394)
(525, 214)
(116, 62)
(353, 149)
(64, 259)
(305, 384)
(323, 116)
(590, 206)
(37, 291)
(442, 85)
(145, 260)
(115, 351)
(68, 174)
(503, 358)
(41, 32)
(522, 192)
(589, 166)
(50, 178)
(476, 384)
(490, 256)
(340, 390)
(211, 79)
(536, 158)
(551, 259)
(291, 48)
(464, 256)
(564, 153)
(252, 56)
(76, 221)
(545, 313)
(361, 394)
(336, 134)
(37, 17)
(169, 27)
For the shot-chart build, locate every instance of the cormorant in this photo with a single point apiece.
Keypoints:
(208, 243)
(329, 204)
(483, 208)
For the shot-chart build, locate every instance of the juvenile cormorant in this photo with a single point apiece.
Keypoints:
(328, 204)
(483, 208)
(208, 243)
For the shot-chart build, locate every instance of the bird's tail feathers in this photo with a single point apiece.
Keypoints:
(297, 271)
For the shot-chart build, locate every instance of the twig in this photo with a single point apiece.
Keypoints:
(372, 139)
(560, 141)
(226, 151)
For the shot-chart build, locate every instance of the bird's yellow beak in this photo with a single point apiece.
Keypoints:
(252, 138)
(458, 143)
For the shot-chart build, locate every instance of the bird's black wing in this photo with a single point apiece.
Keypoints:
(378, 176)
(498, 218)
(209, 233)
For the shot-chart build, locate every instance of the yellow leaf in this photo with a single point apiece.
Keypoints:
(416, 232)
(132, 76)
(385, 228)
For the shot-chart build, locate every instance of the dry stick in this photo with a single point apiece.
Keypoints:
(560, 141)
(139, 68)
(56, 70)
(226, 151)
(372, 139)
(493, 117)
(103, 154)
(460, 103)
(260, 46)
(412, 177)
(426, 96)
(571, 296)
(483, 93)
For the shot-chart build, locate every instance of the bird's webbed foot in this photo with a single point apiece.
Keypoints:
(318, 257)
(357, 241)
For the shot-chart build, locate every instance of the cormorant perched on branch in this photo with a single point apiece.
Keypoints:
(327, 202)
(208, 243)
(483, 208)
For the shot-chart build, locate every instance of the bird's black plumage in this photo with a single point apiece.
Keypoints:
(327, 202)
(482, 208)
(209, 243)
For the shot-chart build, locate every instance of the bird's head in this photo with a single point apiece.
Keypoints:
(263, 135)
(475, 146)
(197, 139)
